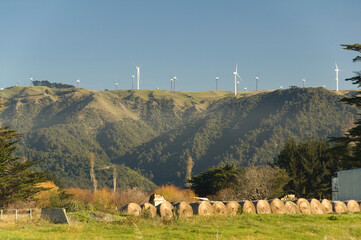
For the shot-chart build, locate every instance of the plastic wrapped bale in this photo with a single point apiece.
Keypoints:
(303, 206)
(327, 205)
(248, 207)
(340, 207)
(352, 206)
(165, 210)
(202, 208)
(219, 208)
(291, 207)
(183, 209)
(232, 207)
(278, 207)
(148, 210)
(263, 207)
(132, 209)
(317, 207)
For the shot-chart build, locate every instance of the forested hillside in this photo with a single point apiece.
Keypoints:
(154, 132)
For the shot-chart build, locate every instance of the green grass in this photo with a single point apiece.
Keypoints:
(346, 226)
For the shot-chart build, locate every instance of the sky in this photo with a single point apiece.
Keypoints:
(101, 42)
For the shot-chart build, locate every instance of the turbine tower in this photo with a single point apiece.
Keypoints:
(171, 84)
(303, 82)
(116, 85)
(257, 83)
(174, 79)
(31, 81)
(133, 81)
(235, 74)
(138, 76)
(336, 70)
(77, 83)
(217, 78)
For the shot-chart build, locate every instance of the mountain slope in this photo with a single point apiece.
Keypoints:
(154, 132)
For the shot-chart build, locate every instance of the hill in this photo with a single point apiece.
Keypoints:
(154, 132)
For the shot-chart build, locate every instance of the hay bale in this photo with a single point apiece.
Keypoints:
(219, 208)
(202, 208)
(327, 205)
(291, 207)
(352, 206)
(248, 207)
(340, 207)
(165, 210)
(303, 206)
(132, 209)
(317, 207)
(232, 207)
(278, 207)
(148, 210)
(263, 207)
(183, 209)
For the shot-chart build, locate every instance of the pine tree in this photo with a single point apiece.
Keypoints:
(348, 148)
(309, 165)
(17, 182)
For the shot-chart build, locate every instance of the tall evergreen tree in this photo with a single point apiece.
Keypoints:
(309, 166)
(348, 148)
(17, 182)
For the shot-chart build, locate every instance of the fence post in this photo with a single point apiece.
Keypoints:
(1, 214)
(16, 214)
(30, 214)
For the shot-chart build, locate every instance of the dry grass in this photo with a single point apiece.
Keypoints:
(172, 193)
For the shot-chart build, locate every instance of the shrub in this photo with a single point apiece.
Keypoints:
(172, 193)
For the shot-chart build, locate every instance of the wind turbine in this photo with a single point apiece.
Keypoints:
(336, 70)
(31, 81)
(303, 82)
(116, 85)
(138, 76)
(174, 79)
(77, 83)
(133, 81)
(235, 74)
(171, 84)
(217, 78)
(257, 83)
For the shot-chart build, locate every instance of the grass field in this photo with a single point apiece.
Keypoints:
(345, 226)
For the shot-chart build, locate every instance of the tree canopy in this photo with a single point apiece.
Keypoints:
(17, 182)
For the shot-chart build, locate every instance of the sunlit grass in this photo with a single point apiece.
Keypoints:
(345, 226)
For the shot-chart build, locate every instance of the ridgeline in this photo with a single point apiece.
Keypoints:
(150, 134)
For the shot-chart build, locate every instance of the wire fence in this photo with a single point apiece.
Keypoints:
(19, 214)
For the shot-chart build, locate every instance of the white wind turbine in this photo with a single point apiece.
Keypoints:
(116, 85)
(138, 76)
(336, 70)
(235, 74)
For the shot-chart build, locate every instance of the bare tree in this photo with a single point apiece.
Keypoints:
(189, 168)
(92, 173)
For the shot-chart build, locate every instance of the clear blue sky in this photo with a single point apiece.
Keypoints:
(100, 42)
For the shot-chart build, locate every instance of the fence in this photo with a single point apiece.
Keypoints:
(17, 214)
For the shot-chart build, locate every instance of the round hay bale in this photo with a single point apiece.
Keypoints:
(165, 210)
(248, 207)
(340, 207)
(132, 209)
(202, 208)
(291, 207)
(352, 206)
(183, 209)
(278, 207)
(149, 210)
(232, 207)
(317, 207)
(327, 205)
(263, 207)
(304, 206)
(219, 208)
